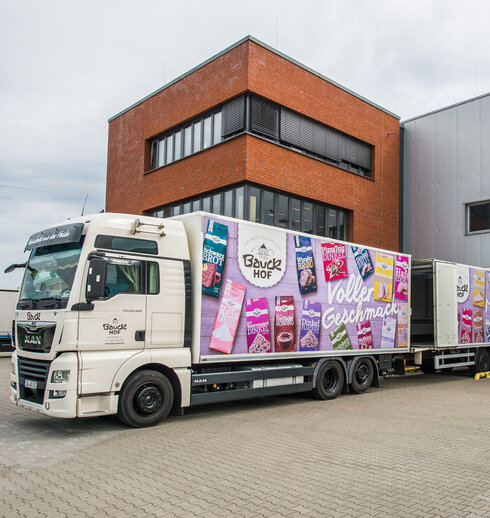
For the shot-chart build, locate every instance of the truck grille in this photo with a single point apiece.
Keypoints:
(33, 371)
(35, 336)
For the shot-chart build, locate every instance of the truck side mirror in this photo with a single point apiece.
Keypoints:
(97, 270)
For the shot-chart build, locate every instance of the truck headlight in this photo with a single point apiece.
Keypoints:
(60, 376)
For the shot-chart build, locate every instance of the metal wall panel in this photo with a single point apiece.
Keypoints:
(446, 164)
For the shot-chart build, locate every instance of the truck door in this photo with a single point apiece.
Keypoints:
(165, 304)
(118, 320)
(445, 305)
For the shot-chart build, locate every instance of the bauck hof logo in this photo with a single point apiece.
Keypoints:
(463, 283)
(261, 255)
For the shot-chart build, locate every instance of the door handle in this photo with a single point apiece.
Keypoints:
(139, 336)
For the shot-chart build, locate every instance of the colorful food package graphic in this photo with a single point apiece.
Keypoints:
(402, 326)
(465, 329)
(284, 324)
(479, 288)
(310, 326)
(305, 264)
(258, 332)
(334, 261)
(401, 277)
(478, 326)
(388, 333)
(213, 260)
(383, 280)
(227, 318)
(363, 261)
(340, 338)
(365, 335)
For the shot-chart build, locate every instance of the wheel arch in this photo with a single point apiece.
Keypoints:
(168, 372)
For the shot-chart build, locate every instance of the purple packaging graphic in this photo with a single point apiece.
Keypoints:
(363, 261)
(305, 264)
(388, 333)
(258, 331)
(213, 259)
(310, 326)
(365, 335)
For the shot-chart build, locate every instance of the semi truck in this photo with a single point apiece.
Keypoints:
(8, 301)
(139, 316)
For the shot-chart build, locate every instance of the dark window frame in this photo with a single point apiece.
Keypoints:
(468, 217)
(169, 210)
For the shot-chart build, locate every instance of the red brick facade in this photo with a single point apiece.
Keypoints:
(250, 66)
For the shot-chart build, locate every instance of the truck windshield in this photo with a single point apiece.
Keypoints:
(48, 277)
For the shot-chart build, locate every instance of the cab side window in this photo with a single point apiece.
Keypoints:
(123, 277)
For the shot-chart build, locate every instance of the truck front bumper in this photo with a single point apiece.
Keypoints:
(46, 387)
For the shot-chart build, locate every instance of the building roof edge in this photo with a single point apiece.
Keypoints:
(446, 108)
(267, 47)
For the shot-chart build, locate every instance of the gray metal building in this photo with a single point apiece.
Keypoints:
(446, 183)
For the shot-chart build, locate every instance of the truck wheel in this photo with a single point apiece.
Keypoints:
(362, 375)
(146, 398)
(329, 381)
(482, 360)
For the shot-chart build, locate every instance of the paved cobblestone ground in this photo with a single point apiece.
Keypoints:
(416, 447)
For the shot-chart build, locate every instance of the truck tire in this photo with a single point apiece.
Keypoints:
(146, 398)
(482, 360)
(329, 381)
(362, 375)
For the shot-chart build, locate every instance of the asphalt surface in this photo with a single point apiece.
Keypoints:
(418, 446)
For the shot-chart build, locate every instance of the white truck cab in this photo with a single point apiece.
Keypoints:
(105, 300)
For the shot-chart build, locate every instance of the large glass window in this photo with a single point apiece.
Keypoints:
(217, 128)
(253, 203)
(282, 211)
(196, 128)
(188, 141)
(178, 145)
(170, 149)
(207, 135)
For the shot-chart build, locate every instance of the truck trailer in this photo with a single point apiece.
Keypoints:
(140, 316)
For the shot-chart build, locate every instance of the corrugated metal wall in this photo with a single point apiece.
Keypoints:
(446, 164)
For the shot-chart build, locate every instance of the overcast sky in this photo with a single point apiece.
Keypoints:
(66, 67)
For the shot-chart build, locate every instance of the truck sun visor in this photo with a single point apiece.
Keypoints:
(55, 236)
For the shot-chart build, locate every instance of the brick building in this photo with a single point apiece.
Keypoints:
(251, 133)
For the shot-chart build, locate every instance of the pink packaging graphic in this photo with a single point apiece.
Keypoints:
(284, 324)
(401, 277)
(334, 261)
(365, 335)
(466, 323)
(478, 326)
(258, 331)
(310, 326)
(402, 326)
(388, 333)
(227, 318)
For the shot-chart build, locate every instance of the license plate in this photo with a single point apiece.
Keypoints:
(30, 384)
